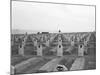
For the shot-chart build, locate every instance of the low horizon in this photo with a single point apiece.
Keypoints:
(17, 31)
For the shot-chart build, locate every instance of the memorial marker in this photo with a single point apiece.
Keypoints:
(47, 43)
(21, 50)
(59, 50)
(39, 50)
(81, 50)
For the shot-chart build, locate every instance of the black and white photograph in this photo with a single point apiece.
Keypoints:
(52, 37)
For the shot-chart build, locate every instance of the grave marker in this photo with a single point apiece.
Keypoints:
(21, 50)
(85, 42)
(39, 50)
(81, 50)
(47, 43)
(59, 42)
(21, 47)
(72, 42)
(59, 50)
(35, 42)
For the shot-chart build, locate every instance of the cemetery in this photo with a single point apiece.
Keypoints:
(51, 52)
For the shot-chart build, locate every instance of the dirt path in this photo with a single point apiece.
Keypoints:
(78, 64)
(51, 65)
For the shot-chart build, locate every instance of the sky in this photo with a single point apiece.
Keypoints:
(39, 17)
